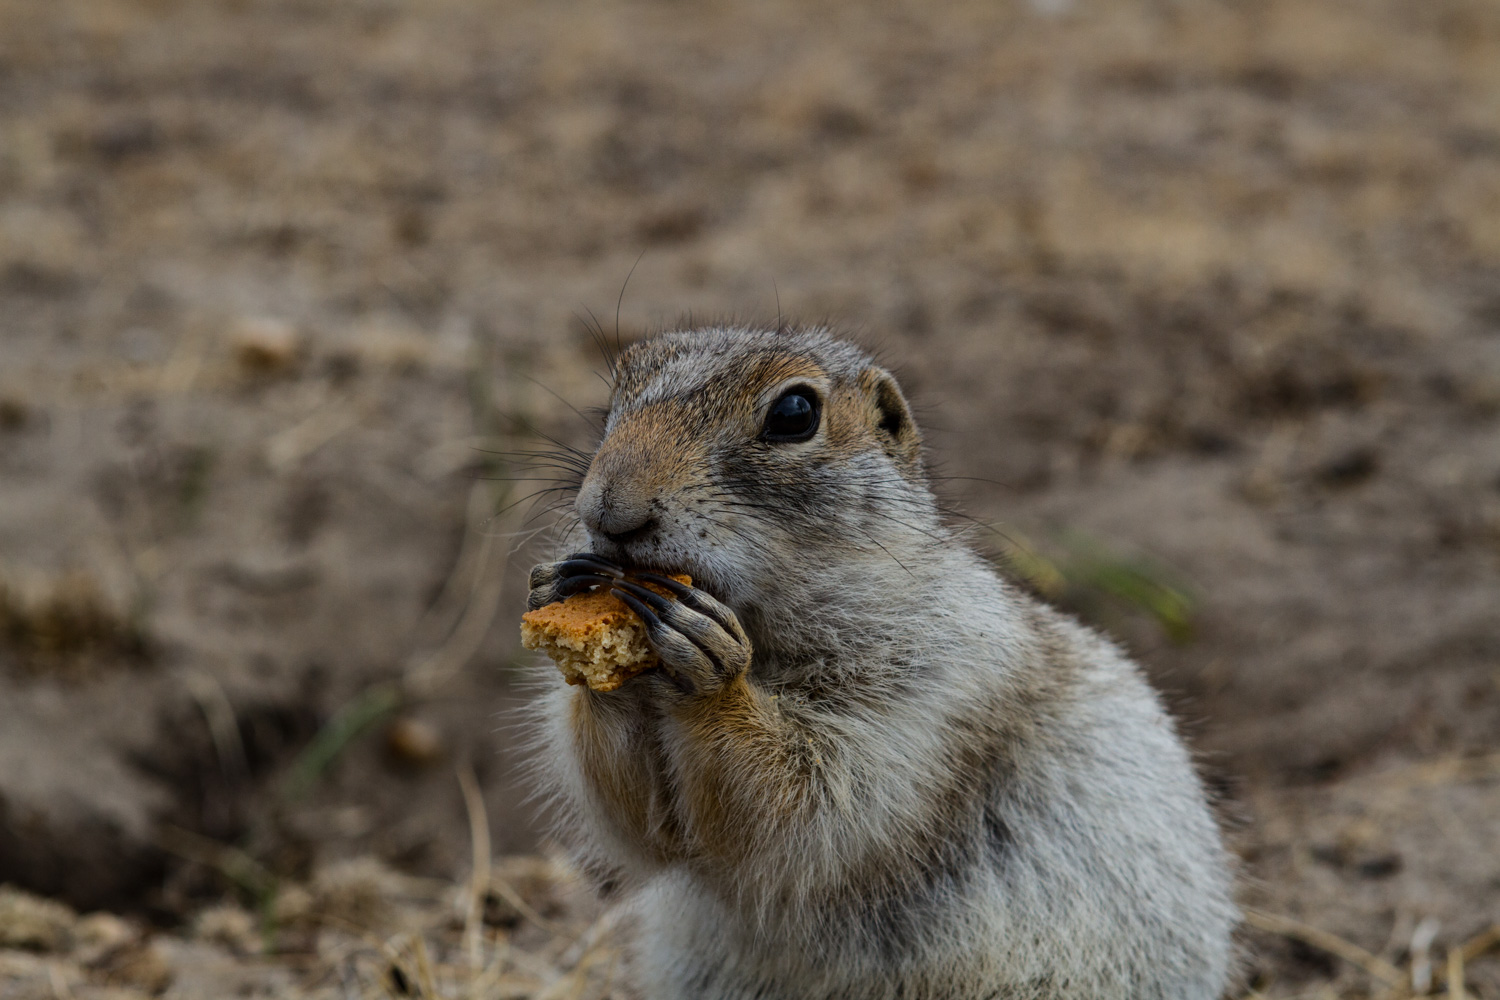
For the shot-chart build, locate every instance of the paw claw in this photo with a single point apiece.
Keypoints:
(635, 604)
(570, 585)
(680, 589)
(580, 563)
(657, 602)
(693, 646)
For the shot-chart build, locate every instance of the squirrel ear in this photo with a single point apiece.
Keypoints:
(890, 417)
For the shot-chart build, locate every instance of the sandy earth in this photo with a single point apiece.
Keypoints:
(1199, 303)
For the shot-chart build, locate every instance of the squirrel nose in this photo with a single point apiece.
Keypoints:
(619, 514)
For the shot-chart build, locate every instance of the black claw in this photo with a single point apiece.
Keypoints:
(583, 562)
(634, 604)
(658, 602)
(595, 557)
(654, 622)
(689, 596)
(568, 586)
(680, 589)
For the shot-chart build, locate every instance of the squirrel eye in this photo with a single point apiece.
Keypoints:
(793, 417)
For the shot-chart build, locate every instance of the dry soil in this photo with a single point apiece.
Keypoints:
(1199, 301)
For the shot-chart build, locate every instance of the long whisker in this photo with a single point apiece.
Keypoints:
(536, 496)
(596, 333)
(542, 461)
(526, 479)
(888, 552)
(783, 508)
(592, 422)
(897, 500)
(530, 429)
(620, 302)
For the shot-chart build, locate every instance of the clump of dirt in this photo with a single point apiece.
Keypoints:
(29, 923)
(66, 627)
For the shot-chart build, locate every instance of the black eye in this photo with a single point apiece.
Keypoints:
(793, 417)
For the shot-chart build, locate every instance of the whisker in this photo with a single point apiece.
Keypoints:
(783, 508)
(528, 428)
(549, 391)
(530, 496)
(539, 456)
(524, 479)
(544, 460)
(888, 552)
(621, 301)
(596, 333)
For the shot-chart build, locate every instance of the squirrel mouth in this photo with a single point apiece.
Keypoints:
(620, 539)
(636, 568)
(619, 565)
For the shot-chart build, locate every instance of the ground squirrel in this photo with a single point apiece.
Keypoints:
(869, 767)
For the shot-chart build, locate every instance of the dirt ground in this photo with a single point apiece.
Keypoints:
(1199, 303)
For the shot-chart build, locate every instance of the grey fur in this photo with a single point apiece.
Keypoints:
(881, 772)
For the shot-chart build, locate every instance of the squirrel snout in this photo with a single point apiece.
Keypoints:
(613, 510)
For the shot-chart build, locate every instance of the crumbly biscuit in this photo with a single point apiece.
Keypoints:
(593, 637)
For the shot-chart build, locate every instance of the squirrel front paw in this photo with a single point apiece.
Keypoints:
(700, 641)
(555, 581)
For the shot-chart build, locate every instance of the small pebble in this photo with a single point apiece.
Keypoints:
(265, 346)
(412, 741)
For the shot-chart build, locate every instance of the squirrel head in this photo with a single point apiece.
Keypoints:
(754, 459)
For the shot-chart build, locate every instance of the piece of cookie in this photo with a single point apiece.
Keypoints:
(593, 637)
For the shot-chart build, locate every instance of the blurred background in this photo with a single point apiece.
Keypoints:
(1198, 300)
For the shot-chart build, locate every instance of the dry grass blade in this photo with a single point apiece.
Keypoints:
(508, 893)
(1484, 941)
(486, 587)
(479, 881)
(484, 879)
(424, 966)
(223, 726)
(1456, 974)
(442, 614)
(465, 640)
(288, 447)
(590, 938)
(1421, 955)
(369, 942)
(231, 862)
(1471, 950)
(1333, 944)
